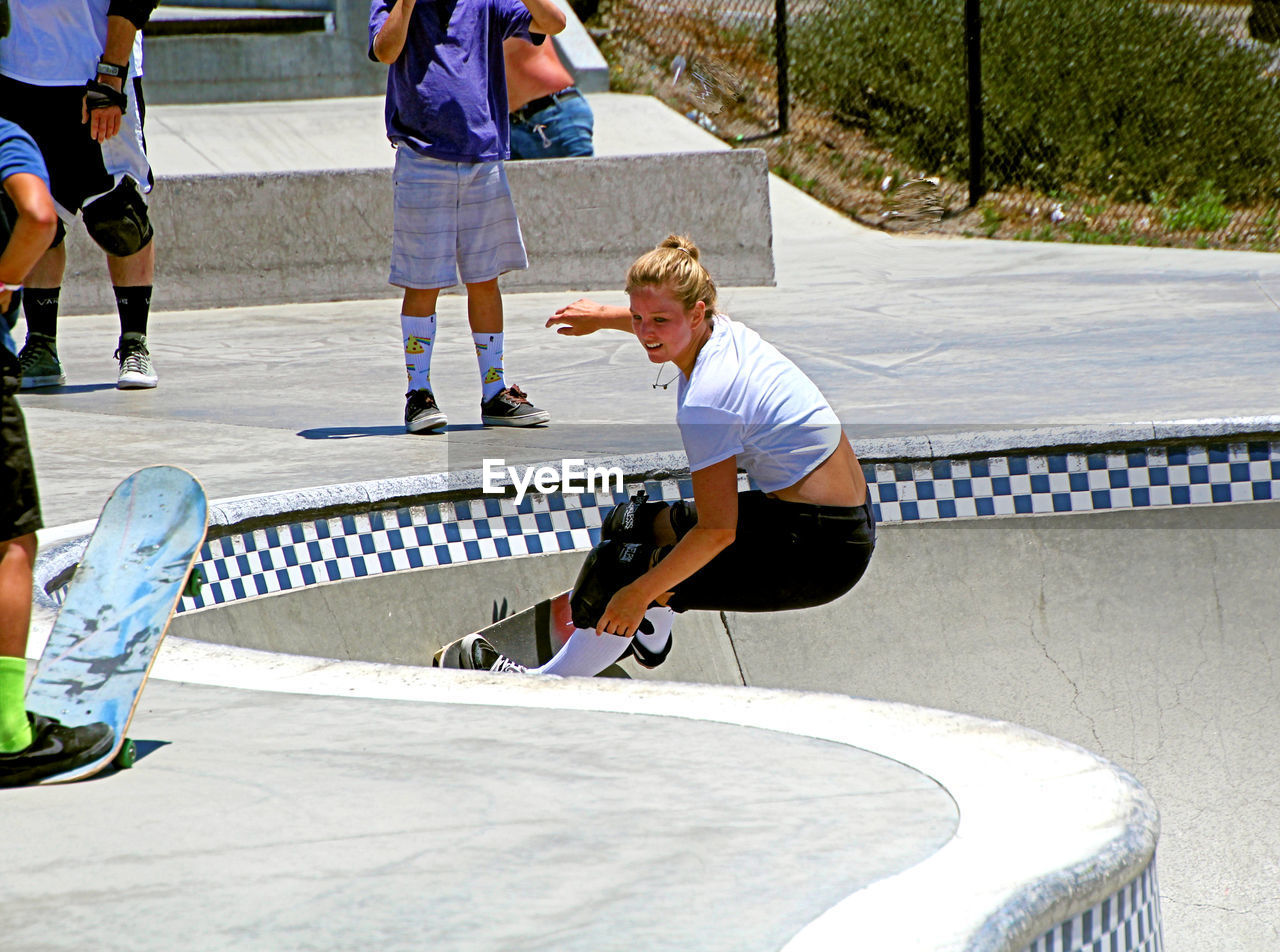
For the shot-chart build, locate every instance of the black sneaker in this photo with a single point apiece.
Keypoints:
(511, 407)
(55, 748)
(421, 415)
(40, 364)
(476, 654)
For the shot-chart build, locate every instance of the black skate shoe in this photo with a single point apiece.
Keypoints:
(55, 748)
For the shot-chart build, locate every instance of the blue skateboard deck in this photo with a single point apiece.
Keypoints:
(119, 605)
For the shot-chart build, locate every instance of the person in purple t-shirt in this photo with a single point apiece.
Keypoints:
(446, 116)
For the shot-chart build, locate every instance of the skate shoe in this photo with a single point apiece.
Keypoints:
(421, 415)
(136, 372)
(55, 748)
(476, 654)
(40, 364)
(511, 407)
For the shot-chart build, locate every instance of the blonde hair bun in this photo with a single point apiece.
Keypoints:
(675, 264)
(681, 243)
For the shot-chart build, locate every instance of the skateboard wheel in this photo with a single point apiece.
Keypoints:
(128, 755)
(195, 582)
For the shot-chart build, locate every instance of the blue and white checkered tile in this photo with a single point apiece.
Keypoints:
(1129, 921)
(329, 550)
(281, 558)
(1075, 482)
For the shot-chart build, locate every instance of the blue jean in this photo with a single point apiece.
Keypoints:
(561, 130)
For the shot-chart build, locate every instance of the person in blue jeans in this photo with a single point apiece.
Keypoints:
(550, 118)
(31, 746)
(446, 115)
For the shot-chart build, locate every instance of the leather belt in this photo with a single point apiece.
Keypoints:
(534, 106)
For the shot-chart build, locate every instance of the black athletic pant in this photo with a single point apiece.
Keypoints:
(784, 555)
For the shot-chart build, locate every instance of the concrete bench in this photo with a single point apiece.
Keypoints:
(238, 239)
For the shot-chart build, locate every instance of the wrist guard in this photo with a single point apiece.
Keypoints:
(101, 96)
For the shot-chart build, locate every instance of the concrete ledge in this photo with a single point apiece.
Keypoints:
(326, 235)
(1047, 829)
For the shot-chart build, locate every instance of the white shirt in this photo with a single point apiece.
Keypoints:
(58, 42)
(745, 399)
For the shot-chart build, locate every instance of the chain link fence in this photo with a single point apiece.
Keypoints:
(1116, 121)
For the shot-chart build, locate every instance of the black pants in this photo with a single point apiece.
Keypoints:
(784, 555)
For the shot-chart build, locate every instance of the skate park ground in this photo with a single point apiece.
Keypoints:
(356, 822)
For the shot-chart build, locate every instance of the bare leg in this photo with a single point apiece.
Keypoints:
(17, 560)
(419, 302)
(484, 307)
(49, 269)
(134, 271)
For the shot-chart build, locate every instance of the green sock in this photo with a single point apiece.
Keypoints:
(15, 729)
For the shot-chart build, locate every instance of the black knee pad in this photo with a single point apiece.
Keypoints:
(684, 516)
(608, 567)
(632, 521)
(118, 221)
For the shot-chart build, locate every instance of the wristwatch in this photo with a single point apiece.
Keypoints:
(112, 69)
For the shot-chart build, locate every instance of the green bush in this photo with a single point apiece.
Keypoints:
(1121, 97)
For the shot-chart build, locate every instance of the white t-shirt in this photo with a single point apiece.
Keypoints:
(58, 42)
(745, 399)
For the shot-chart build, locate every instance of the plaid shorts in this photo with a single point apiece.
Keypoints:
(451, 218)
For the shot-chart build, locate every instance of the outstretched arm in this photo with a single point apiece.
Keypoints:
(547, 17)
(585, 316)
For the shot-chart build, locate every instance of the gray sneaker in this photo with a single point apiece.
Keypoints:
(511, 407)
(40, 364)
(476, 654)
(421, 415)
(136, 372)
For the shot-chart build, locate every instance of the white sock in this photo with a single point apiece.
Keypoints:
(585, 654)
(489, 357)
(662, 620)
(419, 335)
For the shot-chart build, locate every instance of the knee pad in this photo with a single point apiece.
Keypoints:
(632, 521)
(118, 221)
(608, 567)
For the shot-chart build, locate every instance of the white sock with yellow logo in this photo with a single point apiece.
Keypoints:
(489, 357)
(419, 334)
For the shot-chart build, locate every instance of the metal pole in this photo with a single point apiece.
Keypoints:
(780, 39)
(973, 51)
